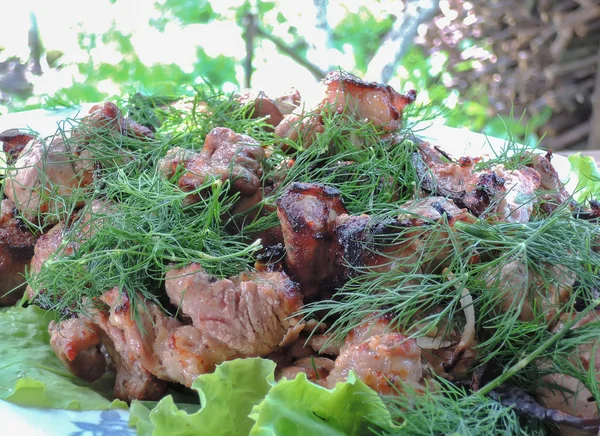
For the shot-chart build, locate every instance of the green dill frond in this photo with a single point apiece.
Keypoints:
(190, 119)
(142, 228)
(445, 409)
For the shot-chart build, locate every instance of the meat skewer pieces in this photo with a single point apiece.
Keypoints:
(247, 316)
(46, 172)
(16, 250)
(225, 155)
(323, 243)
(345, 93)
(505, 195)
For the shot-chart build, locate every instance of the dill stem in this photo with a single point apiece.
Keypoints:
(521, 364)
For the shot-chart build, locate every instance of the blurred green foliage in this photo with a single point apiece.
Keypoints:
(362, 29)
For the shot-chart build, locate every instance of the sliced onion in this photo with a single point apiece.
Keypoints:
(427, 343)
(468, 334)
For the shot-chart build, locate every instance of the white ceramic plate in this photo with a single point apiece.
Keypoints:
(31, 421)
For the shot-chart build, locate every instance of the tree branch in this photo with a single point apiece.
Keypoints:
(320, 37)
(317, 72)
(249, 34)
(594, 138)
(35, 46)
(400, 38)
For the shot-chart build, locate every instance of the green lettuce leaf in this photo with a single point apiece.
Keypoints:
(585, 171)
(299, 407)
(227, 397)
(241, 398)
(30, 373)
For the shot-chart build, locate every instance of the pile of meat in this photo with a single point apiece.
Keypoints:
(256, 312)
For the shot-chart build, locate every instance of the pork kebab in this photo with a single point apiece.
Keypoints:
(171, 252)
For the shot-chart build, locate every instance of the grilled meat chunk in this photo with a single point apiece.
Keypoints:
(76, 231)
(555, 194)
(377, 103)
(248, 316)
(109, 116)
(381, 358)
(76, 342)
(42, 168)
(506, 195)
(323, 243)
(120, 336)
(515, 281)
(226, 155)
(273, 109)
(251, 314)
(316, 368)
(566, 393)
(308, 213)
(14, 141)
(345, 93)
(16, 251)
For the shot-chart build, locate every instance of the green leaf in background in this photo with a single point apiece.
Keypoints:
(186, 11)
(227, 397)
(585, 170)
(30, 373)
(298, 407)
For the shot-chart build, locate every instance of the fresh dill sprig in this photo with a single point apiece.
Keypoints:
(190, 119)
(446, 409)
(372, 170)
(143, 228)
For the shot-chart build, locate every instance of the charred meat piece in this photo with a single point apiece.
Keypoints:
(345, 93)
(374, 102)
(323, 243)
(109, 116)
(506, 195)
(381, 358)
(251, 315)
(225, 154)
(308, 214)
(14, 141)
(16, 251)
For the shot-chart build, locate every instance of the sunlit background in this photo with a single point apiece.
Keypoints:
(475, 62)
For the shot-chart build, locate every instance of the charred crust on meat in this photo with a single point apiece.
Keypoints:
(14, 141)
(272, 253)
(440, 209)
(314, 189)
(490, 182)
(123, 306)
(352, 80)
(465, 161)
